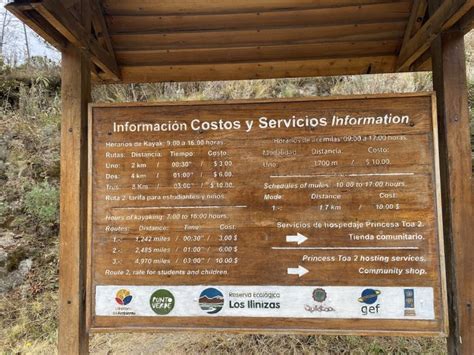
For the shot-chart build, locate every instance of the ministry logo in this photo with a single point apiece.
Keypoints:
(123, 297)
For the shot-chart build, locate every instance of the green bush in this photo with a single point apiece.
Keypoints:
(42, 202)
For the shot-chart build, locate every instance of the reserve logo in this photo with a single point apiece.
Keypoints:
(211, 300)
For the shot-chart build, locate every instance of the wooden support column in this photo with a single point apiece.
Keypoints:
(449, 78)
(73, 338)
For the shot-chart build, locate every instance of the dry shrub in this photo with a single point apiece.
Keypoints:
(223, 344)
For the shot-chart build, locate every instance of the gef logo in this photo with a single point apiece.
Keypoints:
(369, 297)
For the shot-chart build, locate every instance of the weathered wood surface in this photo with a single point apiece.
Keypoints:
(169, 7)
(150, 41)
(260, 70)
(77, 34)
(449, 76)
(37, 23)
(258, 37)
(61, 26)
(415, 21)
(350, 14)
(242, 53)
(73, 338)
(443, 18)
(125, 183)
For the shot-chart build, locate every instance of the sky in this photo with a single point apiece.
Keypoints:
(38, 47)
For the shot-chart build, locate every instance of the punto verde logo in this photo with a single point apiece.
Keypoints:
(162, 302)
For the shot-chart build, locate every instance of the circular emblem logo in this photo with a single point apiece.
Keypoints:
(123, 297)
(162, 302)
(319, 295)
(369, 296)
(211, 300)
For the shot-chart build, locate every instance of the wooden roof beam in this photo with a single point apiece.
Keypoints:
(65, 22)
(37, 23)
(448, 14)
(466, 23)
(416, 17)
(68, 28)
(100, 26)
(423, 63)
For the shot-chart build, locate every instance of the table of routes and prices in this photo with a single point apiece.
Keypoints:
(306, 215)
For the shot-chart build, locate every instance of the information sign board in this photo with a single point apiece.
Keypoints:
(318, 215)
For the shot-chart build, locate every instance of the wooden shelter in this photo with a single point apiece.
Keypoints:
(191, 40)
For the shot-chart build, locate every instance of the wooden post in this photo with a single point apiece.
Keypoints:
(73, 338)
(449, 78)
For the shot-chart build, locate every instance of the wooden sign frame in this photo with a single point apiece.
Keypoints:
(371, 327)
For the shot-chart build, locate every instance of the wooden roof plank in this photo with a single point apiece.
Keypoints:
(447, 14)
(199, 40)
(173, 7)
(256, 54)
(378, 12)
(266, 70)
(287, 35)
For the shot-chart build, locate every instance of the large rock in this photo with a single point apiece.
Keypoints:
(7, 239)
(16, 277)
(14, 264)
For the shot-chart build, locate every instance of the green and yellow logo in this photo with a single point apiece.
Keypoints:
(162, 302)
